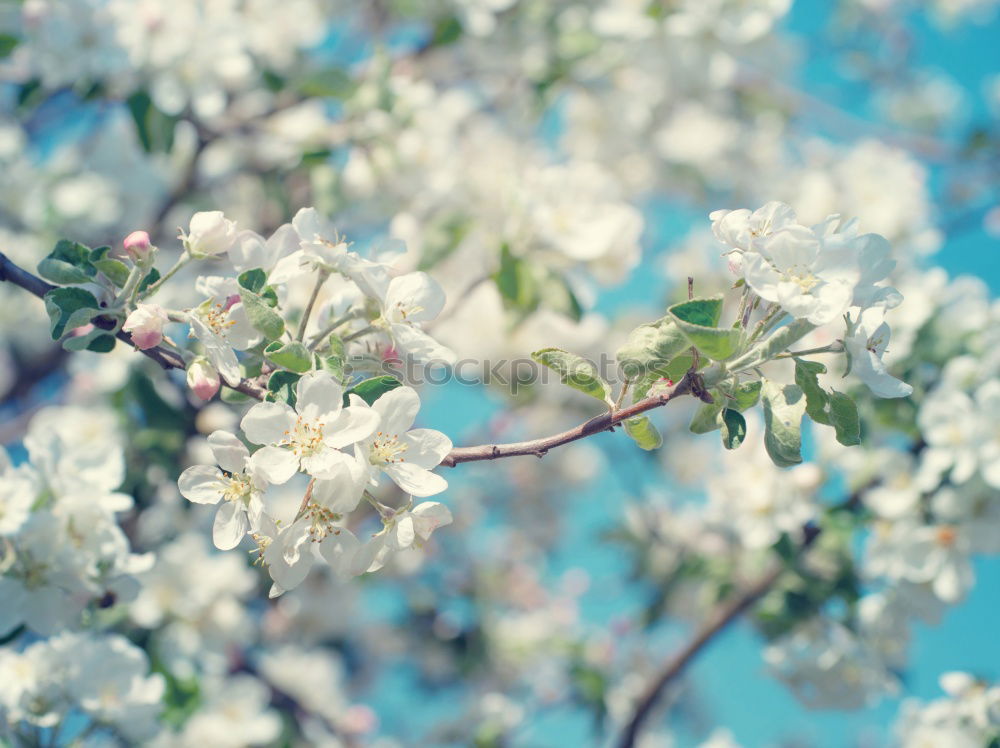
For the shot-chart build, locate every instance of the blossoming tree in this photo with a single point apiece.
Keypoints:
(441, 463)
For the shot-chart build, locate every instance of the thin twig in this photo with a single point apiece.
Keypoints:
(716, 623)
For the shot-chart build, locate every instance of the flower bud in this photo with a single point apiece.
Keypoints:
(203, 379)
(145, 324)
(210, 234)
(138, 246)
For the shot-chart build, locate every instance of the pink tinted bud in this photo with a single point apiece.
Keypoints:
(145, 325)
(231, 301)
(138, 245)
(203, 379)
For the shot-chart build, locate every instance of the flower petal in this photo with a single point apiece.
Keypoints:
(398, 409)
(229, 451)
(415, 480)
(230, 526)
(202, 484)
(274, 464)
(267, 423)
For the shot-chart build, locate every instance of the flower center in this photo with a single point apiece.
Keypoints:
(305, 438)
(237, 488)
(802, 277)
(386, 449)
(321, 522)
(404, 310)
(262, 541)
(217, 319)
(946, 536)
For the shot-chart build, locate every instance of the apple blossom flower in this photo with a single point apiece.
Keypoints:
(409, 301)
(202, 378)
(145, 325)
(251, 250)
(210, 233)
(311, 435)
(406, 528)
(240, 485)
(866, 344)
(405, 455)
(222, 325)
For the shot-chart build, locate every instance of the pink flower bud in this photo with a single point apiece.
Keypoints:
(203, 379)
(231, 301)
(145, 324)
(138, 246)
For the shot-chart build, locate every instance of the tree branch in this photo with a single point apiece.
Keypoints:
(538, 447)
(717, 622)
(166, 358)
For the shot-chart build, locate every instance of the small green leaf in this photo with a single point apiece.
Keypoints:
(67, 263)
(806, 373)
(334, 360)
(734, 429)
(643, 432)
(447, 30)
(330, 83)
(154, 128)
(150, 279)
(697, 319)
(650, 349)
(746, 395)
(556, 294)
(97, 340)
(516, 282)
(281, 386)
(372, 389)
(114, 270)
(261, 316)
(252, 280)
(7, 44)
(292, 356)
(707, 417)
(69, 308)
(575, 371)
(784, 406)
(771, 346)
(845, 419)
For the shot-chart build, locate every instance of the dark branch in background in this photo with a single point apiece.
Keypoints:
(538, 447)
(720, 619)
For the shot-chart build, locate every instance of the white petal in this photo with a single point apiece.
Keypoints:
(418, 292)
(319, 396)
(339, 550)
(351, 425)
(421, 346)
(202, 484)
(429, 516)
(342, 492)
(230, 526)
(274, 464)
(326, 463)
(404, 532)
(267, 423)
(415, 480)
(398, 409)
(230, 452)
(427, 447)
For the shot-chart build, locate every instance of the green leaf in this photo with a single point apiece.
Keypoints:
(335, 359)
(556, 293)
(516, 282)
(806, 373)
(154, 128)
(784, 406)
(575, 371)
(67, 263)
(8, 43)
(650, 348)
(150, 279)
(734, 429)
(252, 280)
(281, 387)
(333, 83)
(697, 319)
(707, 417)
(261, 316)
(372, 389)
(845, 419)
(745, 395)
(69, 308)
(292, 356)
(114, 270)
(447, 30)
(643, 432)
(97, 340)
(777, 342)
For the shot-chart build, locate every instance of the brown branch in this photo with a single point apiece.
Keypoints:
(717, 622)
(538, 447)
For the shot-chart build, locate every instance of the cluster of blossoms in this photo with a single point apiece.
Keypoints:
(969, 715)
(63, 551)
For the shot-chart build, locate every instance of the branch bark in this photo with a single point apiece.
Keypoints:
(169, 359)
(717, 622)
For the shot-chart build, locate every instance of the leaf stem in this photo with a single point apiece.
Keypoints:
(183, 260)
(304, 322)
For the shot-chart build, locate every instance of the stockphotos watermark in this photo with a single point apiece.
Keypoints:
(513, 374)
